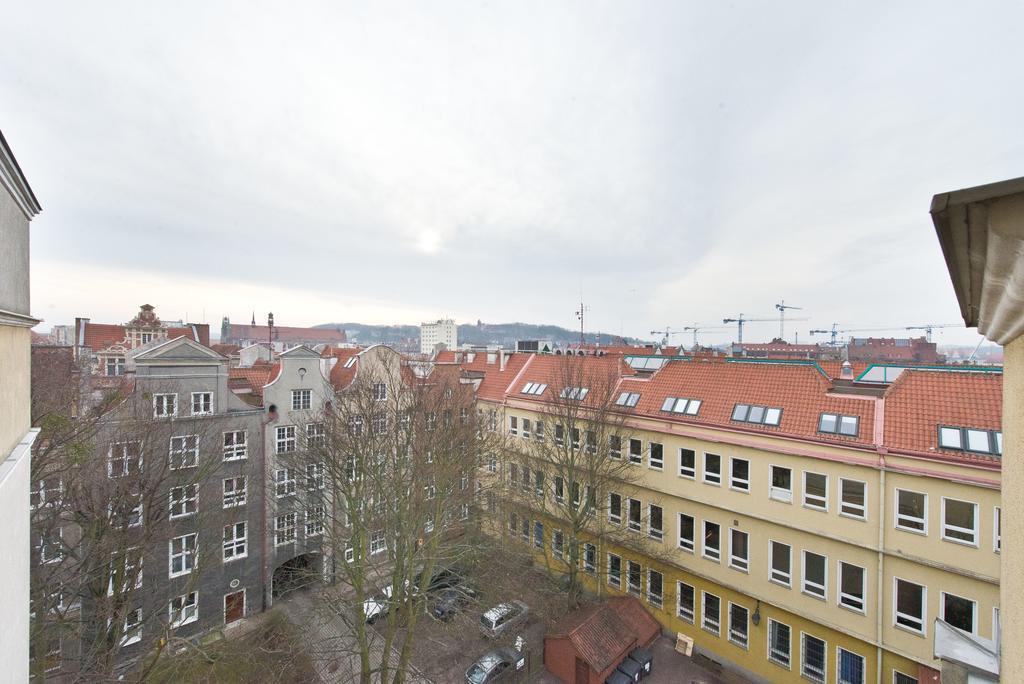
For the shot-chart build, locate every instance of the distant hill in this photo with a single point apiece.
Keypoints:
(504, 334)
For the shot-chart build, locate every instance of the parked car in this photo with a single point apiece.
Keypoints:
(503, 617)
(445, 578)
(449, 601)
(493, 664)
(378, 605)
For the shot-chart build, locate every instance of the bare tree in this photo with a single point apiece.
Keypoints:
(576, 462)
(399, 452)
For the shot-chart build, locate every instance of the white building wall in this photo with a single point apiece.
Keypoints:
(443, 331)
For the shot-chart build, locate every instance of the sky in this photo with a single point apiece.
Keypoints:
(673, 164)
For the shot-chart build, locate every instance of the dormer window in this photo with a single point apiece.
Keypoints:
(534, 388)
(202, 403)
(351, 362)
(575, 393)
(762, 415)
(689, 407)
(837, 424)
(973, 440)
(628, 399)
(146, 337)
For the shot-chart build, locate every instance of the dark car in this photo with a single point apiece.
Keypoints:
(450, 600)
(445, 578)
(493, 665)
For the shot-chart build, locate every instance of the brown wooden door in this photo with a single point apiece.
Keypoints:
(234, 607)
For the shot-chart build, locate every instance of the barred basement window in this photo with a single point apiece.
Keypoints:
(778, 643)
(633, 577)
(712, 613)
(614, 571)
(738, 616)
(654, 588)
(812, 659)
(685, 601)
(851, 667)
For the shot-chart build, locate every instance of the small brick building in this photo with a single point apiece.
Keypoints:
(586, 646)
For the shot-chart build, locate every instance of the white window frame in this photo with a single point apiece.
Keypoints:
(124, 458)
(813, 505)
(805, 582)
(614, 519)
(234, 497)
(285, 529)
(206, 405)
(744, 641)
(187, 554)
(849, 601)
(686, 544)
(160, 408)
(653, 464)
(658, 601)
(657, 534)
(716, 556)
(687, 472)
(638, 589)
(897, 516)
(314, 523)
(997, 529)
(285, 440)
(132, 633)
(684, 613)
(736, 562)
(614, 580)
(776, 575)
(778, 493)
(378, 542)
(771, 650)
(738, 484)
(186, 613)
(284, 482)
(302, 399)
(235, 546)
(631, 525)
(803, 659)
(180, 499)
(853, 510)
(839, 663)
(380, 391)
(973, 530)
(974, 610)
(716, 478)
(896, 615)
(235, 449)
(189, 455)
(715, 626)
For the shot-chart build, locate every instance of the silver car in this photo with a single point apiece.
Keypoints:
(493, 664)
(503, 617)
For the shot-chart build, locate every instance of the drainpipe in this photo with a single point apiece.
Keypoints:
(264, 422)
(879, 439)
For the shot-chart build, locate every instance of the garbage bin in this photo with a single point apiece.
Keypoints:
(618, 678)
(631, 669)
(644, 657)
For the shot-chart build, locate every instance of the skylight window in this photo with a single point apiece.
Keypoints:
(836, 424)
(689, 407)
(576, 393)
(648, 363)
(351, 362)
(761, 415)
(534, 388)
(971, 439)
(628, 399)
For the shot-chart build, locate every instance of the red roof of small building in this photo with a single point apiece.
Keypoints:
(284, 333)
(257, 376)
(601, 633)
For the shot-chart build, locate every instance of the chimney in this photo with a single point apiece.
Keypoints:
(501, 360)
(847, 371)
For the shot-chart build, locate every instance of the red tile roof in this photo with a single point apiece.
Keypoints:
(257, 377)
(603, 632)
(102, 335)
(919, 401)
(225, 349)
(340, 376)
(495, 381)
(284, 333)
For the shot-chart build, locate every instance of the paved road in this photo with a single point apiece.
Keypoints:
(330, 641)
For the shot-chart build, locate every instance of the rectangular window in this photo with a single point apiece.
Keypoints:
(559, 489)
(315, 476)
(959, 612)
(633, 577)
(712, 541)
(685, 601)
(284, 441)
(234, 491)
(184, 452)
(301, 399)
(911, 511)
(183, 609)
(852, 498)
(115, 365)
(850, 667)
(182, 554)
(812, 659)
(908, 611)
(614, 446)
(538, 431)
(712, 613)
(997, 530)
(235, 541)
(781, 559)
(656, 458)
(527, 481)
(960, 521)
(538, 483)
(559, 435)
(125, 572)
(739, 554)
(655, 530)
(165, 405)
(513, 425)
(47, 492)
(574, 435)
(782, 484)
(315, 521)
(614, 571)
(738, 618)
(202, 403)
(852, 586)
(636, 451)
(815, 575)
(378, 544)
(614, 508)
(628, 399)
(284, 482)
(132, 628)
(739, 474)
(591, 442)
(687, 463)
(557, 544)
(778, 643)
(284, 529)
(634, 509)
(526, 428)
(712, 469)
(589, 559)
(235, 447)
(184, 500)
(124, 458)
(816, 491)
(686, 526)
(654, 588)
(900, 678)
(538, 534)
(380, 391)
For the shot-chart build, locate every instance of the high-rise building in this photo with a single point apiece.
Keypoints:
(443, 331)
(18, 205)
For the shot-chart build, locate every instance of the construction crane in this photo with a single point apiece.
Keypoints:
(835, 332)
(928, 327)
(665, 334)
(696, 328)
(782, 306)
(741, 320)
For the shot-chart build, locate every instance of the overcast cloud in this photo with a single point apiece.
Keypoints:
(395, 162)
